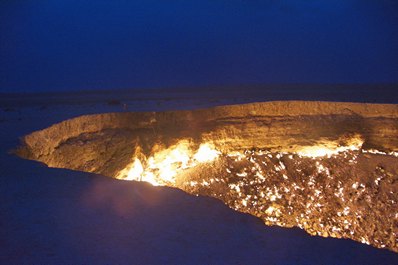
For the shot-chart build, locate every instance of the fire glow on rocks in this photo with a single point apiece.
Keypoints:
(164, 166)
(328, 168)
(316, 188)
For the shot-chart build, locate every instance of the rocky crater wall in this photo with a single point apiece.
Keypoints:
(280, 126)
(352, 194)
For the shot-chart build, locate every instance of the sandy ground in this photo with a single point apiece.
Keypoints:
(57, 216)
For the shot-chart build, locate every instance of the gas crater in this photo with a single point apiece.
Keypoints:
(328, 168)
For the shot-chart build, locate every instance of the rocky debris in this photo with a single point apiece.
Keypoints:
(344, 196)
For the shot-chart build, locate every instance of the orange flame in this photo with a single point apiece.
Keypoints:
(163, 167)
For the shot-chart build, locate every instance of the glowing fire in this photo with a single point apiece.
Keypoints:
(330, 148)
(271, 185)
(163, 167)
(205, 153)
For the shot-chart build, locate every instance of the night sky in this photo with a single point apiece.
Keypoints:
(76, 45)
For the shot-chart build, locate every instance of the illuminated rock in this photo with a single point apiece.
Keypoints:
(329, 168)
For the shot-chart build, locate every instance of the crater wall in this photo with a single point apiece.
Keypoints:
(351, 194)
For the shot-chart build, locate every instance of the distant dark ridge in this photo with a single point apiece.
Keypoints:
(370, 93)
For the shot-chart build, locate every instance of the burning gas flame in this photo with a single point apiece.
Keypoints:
(330, 148)
(163, 167)
(257, 170)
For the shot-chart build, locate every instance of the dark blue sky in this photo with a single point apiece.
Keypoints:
(72, 45)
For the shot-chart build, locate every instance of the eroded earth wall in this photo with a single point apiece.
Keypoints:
(353, 194)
